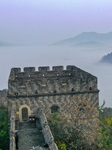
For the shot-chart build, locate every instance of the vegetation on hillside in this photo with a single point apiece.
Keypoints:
(76, 127)
(105, 141)
(4, 132)
(81, 124)
(95, 131)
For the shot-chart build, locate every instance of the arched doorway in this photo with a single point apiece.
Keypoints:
(24, 114)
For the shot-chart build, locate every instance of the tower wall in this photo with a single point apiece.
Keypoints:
(45, 88)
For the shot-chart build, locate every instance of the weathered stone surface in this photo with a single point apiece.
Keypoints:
(30, 135)
(3, 97)
(47, 88)
(61, 81)
(49, 139)
(12, 131)
(40, 148)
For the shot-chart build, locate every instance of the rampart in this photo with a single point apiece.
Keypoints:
(49, 139)
(49, 90)
(46, 72)
(45, 88)
(12, 131)
(45, 81)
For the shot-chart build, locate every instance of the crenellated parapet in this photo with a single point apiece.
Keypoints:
(46, 81)
(46, 72)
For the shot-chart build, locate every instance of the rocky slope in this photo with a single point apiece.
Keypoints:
(107, 58)
(3, 97)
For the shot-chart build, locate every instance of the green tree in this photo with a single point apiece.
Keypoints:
(4, 132)
(76, 127)
(105, 140)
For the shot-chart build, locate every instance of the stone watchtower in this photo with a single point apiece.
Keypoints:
(48, 89)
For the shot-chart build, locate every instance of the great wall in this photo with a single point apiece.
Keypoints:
(40, 93)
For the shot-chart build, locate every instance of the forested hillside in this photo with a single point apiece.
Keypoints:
(4, 131)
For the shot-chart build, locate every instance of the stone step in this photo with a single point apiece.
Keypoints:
(39, 148)
(30, 135)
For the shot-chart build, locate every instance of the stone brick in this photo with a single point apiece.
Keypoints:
(46, 88)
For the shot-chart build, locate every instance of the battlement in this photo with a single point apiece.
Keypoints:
(29, 69)
(57, 68)
(46, 72)
(46, 81)
(16, 70)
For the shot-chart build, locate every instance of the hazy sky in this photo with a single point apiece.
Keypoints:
(31, 23)
(35, 21)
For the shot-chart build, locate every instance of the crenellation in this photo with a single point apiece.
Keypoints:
(16, 70)
(57, 68)
(70, 67)
(29, 69)
(44, 69)
(44, 72)
(53, 85)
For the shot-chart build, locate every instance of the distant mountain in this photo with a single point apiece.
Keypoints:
(5, 44)
(107, 58)
(89, 44)
(87, 37)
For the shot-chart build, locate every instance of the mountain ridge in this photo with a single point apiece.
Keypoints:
(86, 37)
(107, 58)
(89, 44)
(2, 43)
